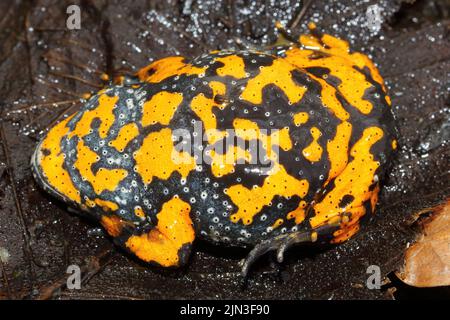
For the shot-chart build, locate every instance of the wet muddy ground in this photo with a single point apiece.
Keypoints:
(45, 68)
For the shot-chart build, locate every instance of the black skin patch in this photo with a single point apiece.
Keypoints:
(46, 152)
(184, 253)
(346, 200)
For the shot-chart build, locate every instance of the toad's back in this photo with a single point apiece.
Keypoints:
(235, 147)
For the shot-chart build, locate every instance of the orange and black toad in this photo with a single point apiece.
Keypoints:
(322, 107)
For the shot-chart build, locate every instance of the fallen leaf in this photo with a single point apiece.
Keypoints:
(427, 262)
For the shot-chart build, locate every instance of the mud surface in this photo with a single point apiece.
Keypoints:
(39, 238)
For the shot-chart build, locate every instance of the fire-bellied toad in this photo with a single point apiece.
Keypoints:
(318, 114)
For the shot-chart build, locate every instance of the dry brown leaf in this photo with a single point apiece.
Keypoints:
(427, 262)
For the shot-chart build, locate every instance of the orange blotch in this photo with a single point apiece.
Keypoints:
(354, 180)
(168, 67)
(125, 135)
(223, 164)
(279, 74)
(104, 112)
(342, 235)
(277, 223)
(234, 66)
(163, 242)
(139, 212)
(52, 162)
(161, 108)
(338, 149)
(300, 118)
(113, 225)
(299, 213)
(203, 108)
(157, 157)
(313, 152)
(388, 100)
(394, 144)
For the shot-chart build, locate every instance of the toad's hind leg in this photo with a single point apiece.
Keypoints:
(169, 243)
(279, 243)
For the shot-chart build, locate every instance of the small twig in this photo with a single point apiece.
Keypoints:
(72, 77)
(227, 23)
(42, 29)
(300, 15)
(66, 110)
(47, 104)
(60, 89)
(53, 56)
(54, 121)
(76, 43)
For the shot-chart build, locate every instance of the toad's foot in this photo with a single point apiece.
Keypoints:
(280, 243)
